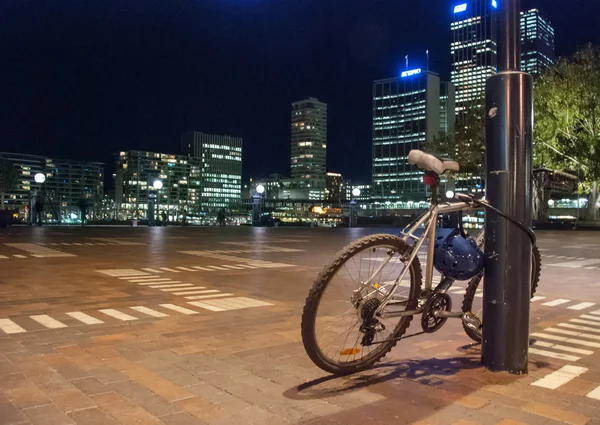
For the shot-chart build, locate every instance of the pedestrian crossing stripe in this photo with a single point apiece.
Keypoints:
(18, 325)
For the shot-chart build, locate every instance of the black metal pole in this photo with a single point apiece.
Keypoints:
(509, 135)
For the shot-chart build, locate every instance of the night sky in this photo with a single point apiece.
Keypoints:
(85, 79)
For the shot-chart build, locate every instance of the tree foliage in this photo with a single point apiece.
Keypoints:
(465, 145)
(8, 179)
(567, 115)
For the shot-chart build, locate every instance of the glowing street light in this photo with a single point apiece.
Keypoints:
(356, 192)
(260, 189)
(158, 184)
(39, 178)
(450, 194)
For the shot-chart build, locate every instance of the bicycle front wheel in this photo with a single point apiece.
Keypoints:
(473, 300)
(341, 329)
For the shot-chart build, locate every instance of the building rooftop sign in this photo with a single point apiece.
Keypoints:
(411, 72)
(460, 8)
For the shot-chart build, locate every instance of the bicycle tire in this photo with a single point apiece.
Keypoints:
(309, 315)
(536, 269)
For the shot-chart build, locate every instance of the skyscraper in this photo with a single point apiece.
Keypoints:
(406, 114)
(474, 51)
(221, 174)
(309, 142)
(537, 42)
(447, 107)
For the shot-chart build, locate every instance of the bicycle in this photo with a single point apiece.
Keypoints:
(386, 293)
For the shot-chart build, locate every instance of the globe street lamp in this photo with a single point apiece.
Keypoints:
(356, 192)
(256, 204)
(158, 184)
(39, 178)
(260, 189)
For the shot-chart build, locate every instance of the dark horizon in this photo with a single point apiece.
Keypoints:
(87, 80)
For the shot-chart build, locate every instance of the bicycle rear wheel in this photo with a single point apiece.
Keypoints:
(340, 330)
(473, 300)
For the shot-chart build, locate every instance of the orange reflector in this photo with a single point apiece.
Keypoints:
(350, 351)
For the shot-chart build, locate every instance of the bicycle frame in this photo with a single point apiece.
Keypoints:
(430, 219)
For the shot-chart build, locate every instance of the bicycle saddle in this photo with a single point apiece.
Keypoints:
(430, 162)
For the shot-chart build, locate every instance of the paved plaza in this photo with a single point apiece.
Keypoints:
(183, 326)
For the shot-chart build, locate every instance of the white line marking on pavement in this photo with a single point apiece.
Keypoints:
(575, 264)
(205, 306)
(564, 339)
(185, 269)
(146, 269)
(559, 347)
(166, 269)
(197, 292)
(117, 314)
(149, 311)
(177, 285)
(153, 282)
(579, 328)
(19, 256)
(231, 303)
(85, 318)
(479, 295)
(246, 266)
(581, 306)
(585, 322)
(556, 302)
(560, 377)
(122, 272)
(585, 316)
(595, 394)
(233, 267)
(38, 251)
(597, 312)
(179, 309)
(217, 268)
(554, 355)
(573, 333)
(90, 244)
(203, 297)
(3, 257)
(139, 276)
(10, 327)
(77, 244)
(537, 298)
(47, 321)
(181, 289)
(202, 268)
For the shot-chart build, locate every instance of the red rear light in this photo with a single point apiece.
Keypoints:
(430, 180)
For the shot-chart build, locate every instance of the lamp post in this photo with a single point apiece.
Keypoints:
(509, 127)
(352, 221)
(256, 204)
(157, 185)
(39, 178)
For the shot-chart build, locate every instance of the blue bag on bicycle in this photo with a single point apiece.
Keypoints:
(457, 256)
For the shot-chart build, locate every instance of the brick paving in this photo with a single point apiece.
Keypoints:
(241, 366)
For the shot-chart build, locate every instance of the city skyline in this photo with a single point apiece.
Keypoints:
(140, 117)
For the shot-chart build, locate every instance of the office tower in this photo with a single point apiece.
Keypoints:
(474, 51)
(334, 187)
(221, 174)
(447, 107)
(309, 142)
(406, 114)
(180, 189)
(67, 183)
(537, 42)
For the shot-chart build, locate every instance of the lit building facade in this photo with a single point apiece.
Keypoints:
(537, 42)
(136, 196)
(406, 114)
(447, 107)
(474, 51)
(67, 184)
(221, 175)
(309, 142)
(334, 187)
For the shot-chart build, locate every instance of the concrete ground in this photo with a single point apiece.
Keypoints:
(185, 326)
